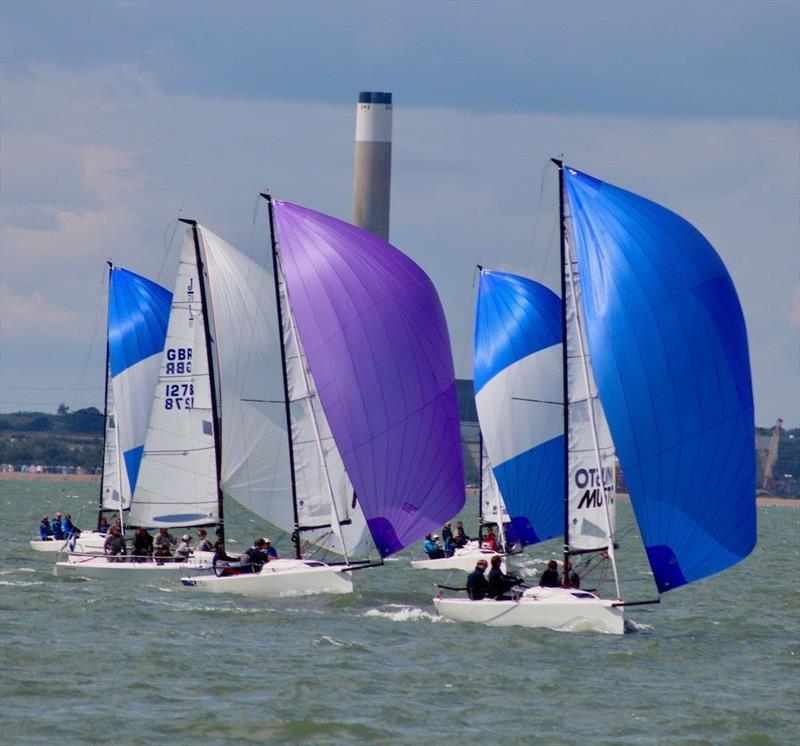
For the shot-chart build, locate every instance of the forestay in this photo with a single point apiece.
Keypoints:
(138, 312)
(375, 337)
(669, 348)
(519, 397)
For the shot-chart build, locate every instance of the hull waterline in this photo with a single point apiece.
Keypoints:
(278, 579)
(562, 610)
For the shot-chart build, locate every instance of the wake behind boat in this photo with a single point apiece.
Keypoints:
(645, 351)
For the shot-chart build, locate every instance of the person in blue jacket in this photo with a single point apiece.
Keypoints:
(45, 532)
(58, 533)
(432, 548)
(67, 527)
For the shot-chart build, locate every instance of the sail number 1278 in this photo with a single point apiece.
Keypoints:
(179, 396)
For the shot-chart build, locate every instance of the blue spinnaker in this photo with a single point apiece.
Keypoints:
(669, 348)
(138, 312)
(519, 395)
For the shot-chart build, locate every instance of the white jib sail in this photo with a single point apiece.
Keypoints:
(177, 483)
(591, 455)
(325, 496)
(111, 497)
(493, 509)
(254, 446)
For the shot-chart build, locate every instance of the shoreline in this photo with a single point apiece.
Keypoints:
(11, 475)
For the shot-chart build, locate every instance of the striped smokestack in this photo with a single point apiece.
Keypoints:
(372, 169)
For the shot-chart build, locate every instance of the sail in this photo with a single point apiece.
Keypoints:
(591, 469)
(669, 350)
(325, 495)
(111, 492)
(177, 484)
(254, 444)
(138, 310)
(375, 337)
(519, 388)
(493, 509)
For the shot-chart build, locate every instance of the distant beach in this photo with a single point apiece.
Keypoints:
(761, 500)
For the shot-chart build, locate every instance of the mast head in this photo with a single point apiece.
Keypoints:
(266, 195)
(558, 162)
(193, 223)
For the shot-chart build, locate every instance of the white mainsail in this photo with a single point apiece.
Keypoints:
(591, 455)
(325, 495)
(177, 484)
(493, 509)
(111, 496)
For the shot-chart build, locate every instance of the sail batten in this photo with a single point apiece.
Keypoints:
(668, 340)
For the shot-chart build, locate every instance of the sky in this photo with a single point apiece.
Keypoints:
(116, 118)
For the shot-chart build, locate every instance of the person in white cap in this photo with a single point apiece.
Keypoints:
(269, 549)
(432, 547)
(185, 547)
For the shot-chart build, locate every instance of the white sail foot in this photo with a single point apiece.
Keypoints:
(560, 609)
(279, 579)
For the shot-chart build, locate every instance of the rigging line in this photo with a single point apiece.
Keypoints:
(84, 370)
(167, 240)
(542, 183)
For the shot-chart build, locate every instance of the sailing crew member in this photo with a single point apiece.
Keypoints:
(255, 557)
(432, 548)
(67, 528)
(114, 545)
(184, 549)
(490, 540)
(142, 543)
(499, 582)
(460, 536)
(570, 578)
(550, 578)
(45, 532)
(269, 549)
(58, 532)
(102, 525)
(477, 585)
(163, 543)
(221, 560)
(203, 542)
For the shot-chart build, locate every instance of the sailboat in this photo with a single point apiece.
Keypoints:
(371, 440)
(137, 318)
(160, 362)
(655, 369)
(491, 512)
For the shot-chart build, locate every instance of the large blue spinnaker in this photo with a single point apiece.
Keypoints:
(519, 395)
(669, 348)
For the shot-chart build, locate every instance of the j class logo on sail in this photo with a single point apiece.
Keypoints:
(179, 361)
(589, 480)
(179, 396)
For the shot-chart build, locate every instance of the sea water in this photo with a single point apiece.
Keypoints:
(94, 662)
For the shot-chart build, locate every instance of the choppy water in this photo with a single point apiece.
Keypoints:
(85, 662)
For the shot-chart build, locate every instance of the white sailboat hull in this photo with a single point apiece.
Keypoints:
(279, 579)
(560, 609)
(102, 567)
(464, 559)
(87, 543)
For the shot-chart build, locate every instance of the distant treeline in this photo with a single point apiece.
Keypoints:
(63, 439)
(76, 439)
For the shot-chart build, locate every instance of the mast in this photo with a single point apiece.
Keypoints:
(563, 252)
(212, 378)
(105, 414)
(287, 404)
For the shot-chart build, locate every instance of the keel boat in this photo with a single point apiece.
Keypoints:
(643, 355)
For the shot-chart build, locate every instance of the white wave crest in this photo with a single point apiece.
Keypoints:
(405, 614)
(21, 583)
(15, 570)
(328, 640)
(631, 626)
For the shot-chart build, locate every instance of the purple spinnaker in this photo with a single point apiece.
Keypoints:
(377, 345)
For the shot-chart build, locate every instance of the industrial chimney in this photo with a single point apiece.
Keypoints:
(372, 169)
